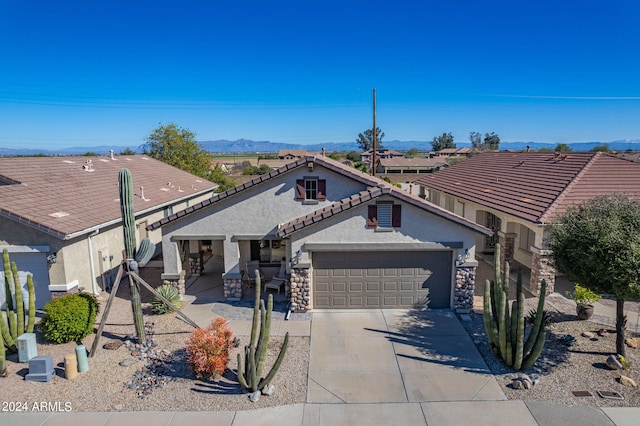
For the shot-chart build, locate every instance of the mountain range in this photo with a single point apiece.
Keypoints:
(250, 146)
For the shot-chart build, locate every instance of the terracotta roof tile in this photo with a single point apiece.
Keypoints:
(535, 186)
(34, 188)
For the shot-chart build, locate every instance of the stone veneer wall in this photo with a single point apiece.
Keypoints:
(300, 283)
(178, 283)
(542, 269)
(465, 287)
(233, 288)
(509, 246)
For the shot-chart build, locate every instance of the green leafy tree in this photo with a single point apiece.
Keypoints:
(597, 244)
(601, 148)
(443, 141)
(353, 156)
(413, 152)
(476, 140)
(563, 147)
(177, 146)
(127, 151)
(219, 176)
(491, 141)
(365, 140)
(256, 170)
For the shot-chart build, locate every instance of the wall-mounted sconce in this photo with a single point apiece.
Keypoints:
(463, 257)
(51, 259)
(310, 166)
(296, 258)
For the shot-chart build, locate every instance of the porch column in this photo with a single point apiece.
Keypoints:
(542, 269)
(502, 241)
(300, 283)
(173, 273)
(465, 287)
(232, 278)
(509, 246)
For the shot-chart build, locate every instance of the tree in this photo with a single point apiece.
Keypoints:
(353, 156)
(220, 177)
(601, 148)
(365, 140)
(597, 244)
(413, 152)
(442, 142)
(177, 146)
(256, 170)
(491, 141)
(563, 147)
(127, 151)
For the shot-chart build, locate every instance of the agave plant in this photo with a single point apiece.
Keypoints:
(170, 293)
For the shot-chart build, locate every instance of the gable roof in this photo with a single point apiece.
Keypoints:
(535, 186)
(292, 152)
(68, 196)
(294, 164)
(363, 197)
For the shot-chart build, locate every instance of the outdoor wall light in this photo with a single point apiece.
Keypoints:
(51, 259)
(295, 259)
(463, 257)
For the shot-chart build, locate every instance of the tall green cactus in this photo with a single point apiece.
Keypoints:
(255, 355)
(125, 186)
(15, 313)
(505, 328)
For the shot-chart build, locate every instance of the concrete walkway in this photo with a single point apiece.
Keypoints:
(370, 367)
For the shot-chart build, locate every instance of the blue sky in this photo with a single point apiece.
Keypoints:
(89, 73)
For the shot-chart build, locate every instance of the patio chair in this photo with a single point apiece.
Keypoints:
(249, 274)
(278, 281)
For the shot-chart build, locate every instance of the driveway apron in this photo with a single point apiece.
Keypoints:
(387, 356)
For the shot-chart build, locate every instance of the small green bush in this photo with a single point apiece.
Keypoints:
(171, 294)
(70, 318)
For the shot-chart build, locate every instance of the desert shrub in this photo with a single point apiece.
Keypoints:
(208, 349)
(171, 294)
(70, 318)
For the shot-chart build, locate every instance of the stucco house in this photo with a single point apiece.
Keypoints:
(516, 194)
(60, 216)
(366, 157)
(347, 239)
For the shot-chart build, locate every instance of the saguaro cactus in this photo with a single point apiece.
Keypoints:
(505, 328)
(255, 355)
(141, 256)
(15, 313)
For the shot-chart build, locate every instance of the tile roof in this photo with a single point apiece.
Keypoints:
(363, 197)
(412, 162)
(294, 164)
(63, 197)
(535, 186)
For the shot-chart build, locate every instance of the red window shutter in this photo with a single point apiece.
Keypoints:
(396, 214)
(372, 219)
(322, 189)
(300, 189)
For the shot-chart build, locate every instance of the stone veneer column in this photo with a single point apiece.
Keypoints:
(232, 286)
(175, 280)
(509, 246)
(465, 287)
(300, 285)
(542, 269)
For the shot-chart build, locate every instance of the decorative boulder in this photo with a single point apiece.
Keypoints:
(628, 381)
(613, 363)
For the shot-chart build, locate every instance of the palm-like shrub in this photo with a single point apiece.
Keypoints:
(70, 318)
(208, 349)
(170, 293)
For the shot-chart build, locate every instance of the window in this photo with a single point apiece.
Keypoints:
(168, 211)
(268, 251)
(384, 216)
(527, 238)
(311, 189)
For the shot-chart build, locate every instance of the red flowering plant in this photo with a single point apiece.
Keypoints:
(208, 349)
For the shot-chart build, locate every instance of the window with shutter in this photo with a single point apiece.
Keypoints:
(384, 216)
(311, 188)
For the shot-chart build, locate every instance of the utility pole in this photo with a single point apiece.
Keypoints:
(373, 162)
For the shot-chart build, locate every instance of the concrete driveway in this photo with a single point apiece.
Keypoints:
(389, 356)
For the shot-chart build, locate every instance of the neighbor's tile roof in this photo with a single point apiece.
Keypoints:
(61, 197)
(294, 164)
(535, 186)
(363, 197)
(412, 162)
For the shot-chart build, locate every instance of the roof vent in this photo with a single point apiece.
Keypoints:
(59, 214)
(142, 194)
(111, 154)
(88, 166)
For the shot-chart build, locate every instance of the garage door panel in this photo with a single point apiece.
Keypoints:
(381, 279)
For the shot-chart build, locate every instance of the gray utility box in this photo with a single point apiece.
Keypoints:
(40, 369)
(27, 348)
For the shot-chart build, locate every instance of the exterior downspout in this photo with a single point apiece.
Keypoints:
(94, 284)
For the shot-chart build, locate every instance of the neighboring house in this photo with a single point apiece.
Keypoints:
(291, 154)
(366, 157)
(402, 165)
(455, 152)
(516, 194)
(60, 216)
(349, 240)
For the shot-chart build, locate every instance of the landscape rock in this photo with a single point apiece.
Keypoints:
(113, 345)
(613, 363)
(128, 362)
(628, 381)
(602, 332)
(268, 390)
(255, 396)
(523, 381)
(632, 342)
(589, 334)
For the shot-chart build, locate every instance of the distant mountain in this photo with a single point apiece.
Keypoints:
(246, 145)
